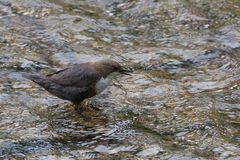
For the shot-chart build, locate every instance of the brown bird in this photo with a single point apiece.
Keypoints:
(80, 81)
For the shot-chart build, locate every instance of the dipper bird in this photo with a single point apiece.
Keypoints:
(80, 81)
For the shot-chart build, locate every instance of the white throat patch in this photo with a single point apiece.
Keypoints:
(104, 82)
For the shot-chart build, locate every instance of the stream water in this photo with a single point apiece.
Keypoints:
(181, 102)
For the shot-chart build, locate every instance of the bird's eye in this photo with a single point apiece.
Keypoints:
(115, 67)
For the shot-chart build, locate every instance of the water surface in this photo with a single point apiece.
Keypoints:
(182, 101)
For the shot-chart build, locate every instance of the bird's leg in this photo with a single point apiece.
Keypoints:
(90, 105)
(79, 107)
(86, 105)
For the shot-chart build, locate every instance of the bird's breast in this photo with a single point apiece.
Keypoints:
(102, 84)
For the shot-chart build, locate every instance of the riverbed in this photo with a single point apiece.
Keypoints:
(181, 102)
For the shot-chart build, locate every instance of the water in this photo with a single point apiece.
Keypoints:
(182, 101)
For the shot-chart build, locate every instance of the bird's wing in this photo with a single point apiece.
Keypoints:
(77, 76)
(57, 72)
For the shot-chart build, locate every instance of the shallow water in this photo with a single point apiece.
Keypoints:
(182, 101)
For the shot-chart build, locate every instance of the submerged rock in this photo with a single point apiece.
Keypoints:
(21, 86)
(150, 151)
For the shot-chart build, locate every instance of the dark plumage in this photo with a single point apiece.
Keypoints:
(78, 82)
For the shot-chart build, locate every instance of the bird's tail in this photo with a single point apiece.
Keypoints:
(39, 79)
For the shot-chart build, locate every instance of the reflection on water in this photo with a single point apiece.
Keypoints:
(182, 101)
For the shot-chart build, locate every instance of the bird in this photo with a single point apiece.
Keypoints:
(80, 81)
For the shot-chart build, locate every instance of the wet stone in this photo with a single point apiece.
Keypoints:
(21, 86)
(185, 157)
(227, 154)
(19, 155)
(53, 157)
(84, 154)
(150, 151)
(74, 58)
(237, 139)
(218, 150)
(27, 64)
(113, 150)
(83, 38)
(180, 134)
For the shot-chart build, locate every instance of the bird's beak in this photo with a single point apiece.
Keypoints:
(126, 72)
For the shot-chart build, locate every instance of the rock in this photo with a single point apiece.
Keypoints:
(233, 158)
(21, 86)
(180, 134)
(150, 151)
(19, 155)
(185, 157)
(83, 154)
(110, 150)
(82, 37)
(218, 150)
(67, 58)
(54, 157)
(226, 154)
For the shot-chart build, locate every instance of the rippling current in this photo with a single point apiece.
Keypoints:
(182, 101)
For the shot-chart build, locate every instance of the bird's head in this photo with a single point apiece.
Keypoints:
(112, 67)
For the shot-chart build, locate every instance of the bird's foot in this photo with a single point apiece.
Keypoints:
(86, 107)
(82, 109)
(92, 107)
(87, 112)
